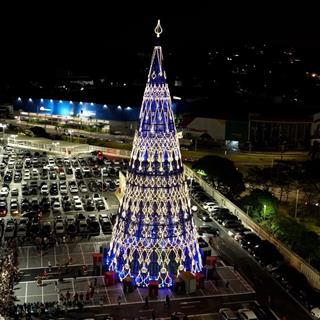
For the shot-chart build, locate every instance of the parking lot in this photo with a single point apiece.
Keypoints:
(68, 194)
(80, 254)
(28, 291)
(32, 263)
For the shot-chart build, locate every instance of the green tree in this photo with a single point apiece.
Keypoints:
(262, 204)
(222, 173)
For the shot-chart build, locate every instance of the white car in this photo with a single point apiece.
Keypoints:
(74, 189)
(63, 189)
(96, 197)
(208, 204)
(76, 198)
(51, 162)
(59, 227)
(56, 207)
(227, 314)
(194, 208)
(247, 314)
(83, 188)
(26, 176)
(44, 190)
(78, 205)
(315, 312)
(4, 191)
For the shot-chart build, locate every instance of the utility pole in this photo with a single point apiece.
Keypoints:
(296, 208)
(249, 132)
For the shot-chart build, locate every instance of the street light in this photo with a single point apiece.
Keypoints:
(296, 208)
(3, 126)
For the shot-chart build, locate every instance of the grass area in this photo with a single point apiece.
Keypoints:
(117, 145)
(312, 223)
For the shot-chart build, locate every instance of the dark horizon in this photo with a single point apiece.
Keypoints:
(87, 37)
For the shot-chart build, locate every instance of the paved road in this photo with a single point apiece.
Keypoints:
(203, 308)
(259, 279)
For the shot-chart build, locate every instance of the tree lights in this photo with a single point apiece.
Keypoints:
(154, 237)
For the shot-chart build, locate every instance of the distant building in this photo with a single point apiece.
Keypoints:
(266, 132)
(278, 132)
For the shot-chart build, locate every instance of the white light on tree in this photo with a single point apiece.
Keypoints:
(154, 237)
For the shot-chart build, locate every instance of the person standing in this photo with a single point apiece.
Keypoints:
(119, 300)
(76, 297)
(168, 301)
(146, 300)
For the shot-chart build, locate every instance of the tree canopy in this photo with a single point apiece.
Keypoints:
(260, 204)
(222, 173)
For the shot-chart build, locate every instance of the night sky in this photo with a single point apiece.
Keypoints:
(41, 38)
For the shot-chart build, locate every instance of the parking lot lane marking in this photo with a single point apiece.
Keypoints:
(55, 256)
(125, 299)
(26, 293)
(222, 262)
(84, 260)
(105, 287)
(230, 287)
(27, 266)
(72, 281)
(213, 286)
(68, 252)
(140, 295)
(42, 297)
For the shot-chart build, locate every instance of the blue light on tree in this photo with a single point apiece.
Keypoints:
(154, 237)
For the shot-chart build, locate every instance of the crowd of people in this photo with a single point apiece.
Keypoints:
(9, 275)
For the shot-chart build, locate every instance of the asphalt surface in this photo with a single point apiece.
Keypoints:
(264, 285)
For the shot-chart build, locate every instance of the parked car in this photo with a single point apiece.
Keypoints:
(71, 225)
(227, 314)
(9, 229)
(204, 216)
(14, 192)
(315, 312)
(59, 226)
(208, 231)
(4, 191)
(247, 314)
(105, 223)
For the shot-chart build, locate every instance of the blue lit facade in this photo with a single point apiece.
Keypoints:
(154, 237)
(82, 109)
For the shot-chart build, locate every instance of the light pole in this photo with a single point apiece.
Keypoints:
(296, 208)
(3, 126)
(249, 132)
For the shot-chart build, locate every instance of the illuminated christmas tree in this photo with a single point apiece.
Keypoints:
(154, 237)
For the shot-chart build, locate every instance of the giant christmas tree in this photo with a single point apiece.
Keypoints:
(154, 237)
